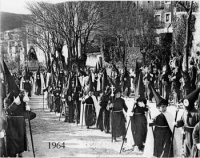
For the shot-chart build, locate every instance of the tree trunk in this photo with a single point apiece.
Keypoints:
(186, 46)
(1, 78)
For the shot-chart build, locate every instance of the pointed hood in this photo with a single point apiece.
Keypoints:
(49, 65)
(100, 63)
(140, 87)
(89, 85)
(78, 84)
(159, 100)
(190, 99)
(114, 68)
(12, 86)
(126, 73)
(137, 69)
(96, 70)
(105, 81)
(38, 71)
(26, 75)
(168, 69)
(89, 79)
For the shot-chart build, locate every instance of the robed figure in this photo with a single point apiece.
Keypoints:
(39, 82)
(118, 118)
(27, 81)
(89, 107)
(138, 120)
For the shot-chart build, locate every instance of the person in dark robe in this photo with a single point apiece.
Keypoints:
(162, 132)
(38, 84)
(126, 84)
(51, 97)
(186, 85)
(57, 99)
(117, 77)
(90, 115)
(198, 76)
(103, 120)
(139, 123)
(193, 75)
(70, 104)
(165, 84)
(196, 141)
(188, 120)
(148, 79)
(175, 79)
(27, 81)
(16, 131)
(118, 118)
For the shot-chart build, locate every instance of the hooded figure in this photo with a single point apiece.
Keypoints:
(140, 91)
(186, 83)
(104, 114)
(90, 107)
(165, 81)
(26, 81)
(9, 80)
(188, 120)
(16, 131)
(118, 119)
(162, 132)
(193, 74)
(38, 82)
(138, 120)
(126, 85)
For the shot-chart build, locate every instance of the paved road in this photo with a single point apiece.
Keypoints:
(79, 142)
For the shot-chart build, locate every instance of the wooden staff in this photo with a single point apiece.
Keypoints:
(112, 95)
(153, 133)
(31, 133)
(126, 131)
(125, 136)
(82, 116)
(62, 102)
(172, 139)
(43, 101)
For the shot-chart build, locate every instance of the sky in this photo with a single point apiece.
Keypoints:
(19, 6)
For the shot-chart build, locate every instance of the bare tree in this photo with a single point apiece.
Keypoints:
(69, 23)
(189, 8)
(130, 26)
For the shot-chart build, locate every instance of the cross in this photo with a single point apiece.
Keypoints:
(112, 89)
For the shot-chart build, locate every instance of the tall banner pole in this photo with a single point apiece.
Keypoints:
(112, 95)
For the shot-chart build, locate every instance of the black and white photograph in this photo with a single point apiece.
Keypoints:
(99, 78)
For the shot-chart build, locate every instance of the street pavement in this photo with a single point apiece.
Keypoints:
(54, 138)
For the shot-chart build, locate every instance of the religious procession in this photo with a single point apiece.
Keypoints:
(92, 98)
(85, 83)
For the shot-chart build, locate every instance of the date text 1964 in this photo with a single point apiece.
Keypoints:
(56, 145)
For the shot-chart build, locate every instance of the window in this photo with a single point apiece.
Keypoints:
(158, 18)
(167, 17)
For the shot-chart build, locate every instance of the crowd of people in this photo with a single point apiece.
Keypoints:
(93, 98)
